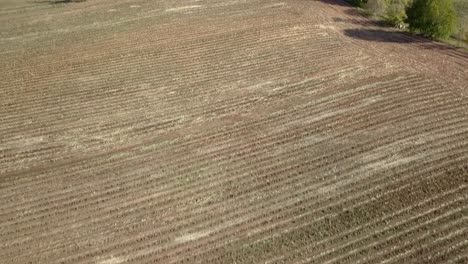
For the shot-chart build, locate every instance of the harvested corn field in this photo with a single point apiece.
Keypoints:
(227, 131)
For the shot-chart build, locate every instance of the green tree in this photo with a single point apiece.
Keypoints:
(434, 18)
(376, 7)
(396, 11)
(392, 11)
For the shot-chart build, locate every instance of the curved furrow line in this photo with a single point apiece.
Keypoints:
(423, 207)
(458, 257)
(171, 52)
(435, 224)
(213, 239)
(209, 54)
(76, 125)
(391, 235)
(235, 106)
(208, 92)
(115, 102)
(187, 32)
(180, 82)
(306, 223)
(191, 261)
(436, 248)
(293, 112)
(406, 249)
(344, 252)
(44, 5)
(122, 66)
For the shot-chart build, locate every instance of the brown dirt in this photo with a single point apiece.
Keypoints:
(227, 131)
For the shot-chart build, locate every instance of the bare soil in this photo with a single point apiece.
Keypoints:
(227, 131)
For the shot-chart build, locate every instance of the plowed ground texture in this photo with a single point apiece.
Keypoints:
(227, 131)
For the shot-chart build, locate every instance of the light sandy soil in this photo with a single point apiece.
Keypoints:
(227, 131)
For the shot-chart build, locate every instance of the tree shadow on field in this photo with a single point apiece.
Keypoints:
(354, 12)
(54, 2)
(361, 22)
(378, 35)
(336, 2)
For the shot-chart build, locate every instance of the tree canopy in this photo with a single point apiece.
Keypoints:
(435, 18)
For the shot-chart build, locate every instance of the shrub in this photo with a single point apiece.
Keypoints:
(462, 34)
(396, 11)
(359, 3)
(392, 11)
(434, 18)
(377, 7)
